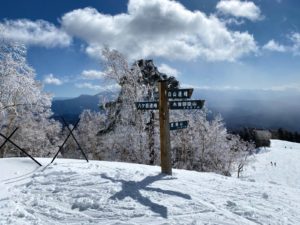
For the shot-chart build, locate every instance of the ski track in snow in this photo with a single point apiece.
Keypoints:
(75, 192)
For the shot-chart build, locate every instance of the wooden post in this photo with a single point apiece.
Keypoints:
(165, 146)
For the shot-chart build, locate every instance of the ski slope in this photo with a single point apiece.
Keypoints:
(75, 192)
(286, 155)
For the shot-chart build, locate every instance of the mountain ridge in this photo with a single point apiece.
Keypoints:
(256, 109)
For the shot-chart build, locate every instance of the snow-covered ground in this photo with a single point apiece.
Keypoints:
(76, 192)
(286, 155)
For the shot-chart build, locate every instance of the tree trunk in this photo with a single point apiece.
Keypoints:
(2, 152)
(151, 139)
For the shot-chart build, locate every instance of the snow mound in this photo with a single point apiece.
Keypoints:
(75, 192)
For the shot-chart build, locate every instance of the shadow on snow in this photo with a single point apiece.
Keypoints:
(132, 189)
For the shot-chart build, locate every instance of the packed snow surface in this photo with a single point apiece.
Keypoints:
(77, 192)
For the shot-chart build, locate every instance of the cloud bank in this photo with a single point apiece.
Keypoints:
(40, 33)
(158, 28)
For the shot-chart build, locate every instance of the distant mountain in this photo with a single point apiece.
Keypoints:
(61, 98)
(253, 109)
(70, 109)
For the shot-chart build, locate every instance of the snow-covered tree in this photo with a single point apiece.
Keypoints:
(23, 104)
(132, 135)
(242, 151)
(124, 134)
(86, 135)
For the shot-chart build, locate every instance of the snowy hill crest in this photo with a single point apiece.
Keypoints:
(76, 192)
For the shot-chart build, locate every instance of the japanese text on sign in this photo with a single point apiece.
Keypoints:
(146, 105)
(180, 93)
(192, 104)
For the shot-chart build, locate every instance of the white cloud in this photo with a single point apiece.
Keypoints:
(164, 68)
(237, 8)
(274, 46)
(295, 38)
(91, 86)
(50, 79)
(38, 32)
(92, 74)
(158, 28)
(293, 47)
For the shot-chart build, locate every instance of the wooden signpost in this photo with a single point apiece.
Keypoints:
(165, 144)
(163, 105)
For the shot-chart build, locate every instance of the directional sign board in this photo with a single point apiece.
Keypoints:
(191, 104)
(188, 104)
(180, 93)
(146, 105)
(168, 100)
(178, 125)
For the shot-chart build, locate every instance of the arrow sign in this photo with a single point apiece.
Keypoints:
(146, 105)
(191, 104)
(178, 125)
(180, 93)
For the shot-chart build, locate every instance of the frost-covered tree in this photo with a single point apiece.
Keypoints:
(204, 147)
(242, 151)
(23, 104)
(86, 135)
(132, 135)
(124, 134)
(207, 146)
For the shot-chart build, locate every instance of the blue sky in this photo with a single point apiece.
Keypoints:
(207, 44)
